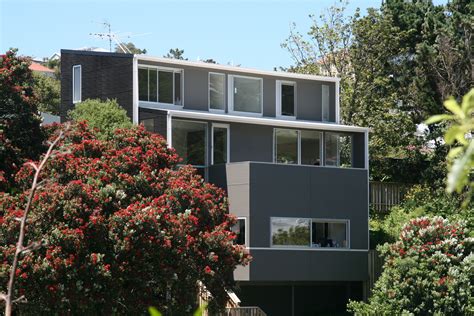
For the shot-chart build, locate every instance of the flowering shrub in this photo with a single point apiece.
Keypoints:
(428, 271)
(20, 134)
(123, 229)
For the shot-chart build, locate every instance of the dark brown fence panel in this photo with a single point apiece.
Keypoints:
(385, 195)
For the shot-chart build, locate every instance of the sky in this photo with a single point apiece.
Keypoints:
(242, 32)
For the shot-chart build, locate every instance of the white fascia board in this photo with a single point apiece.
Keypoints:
(234, 69)
(265, 121)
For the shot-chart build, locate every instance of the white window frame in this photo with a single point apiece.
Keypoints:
(298, 139)
(74, 101)
(220, 125)
(161, 105)
(209, 92)
(278, 99)
(206, 145)
(310, 245)
(230, 94)
(328, 114)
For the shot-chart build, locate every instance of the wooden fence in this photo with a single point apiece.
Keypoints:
(375, 269)
(384, 195)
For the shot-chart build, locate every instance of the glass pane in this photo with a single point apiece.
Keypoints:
(331, 149)
(177, 88)
(338, 147)
(153, 85)
(239, 230)
(247, 95)
(216, 91)
(165, 87)
(143, 84)
(77, 84)
(149, 124)
(287, 100)
(286, 146)
(325, 102)
(345, 150)
(327, 234)
(290, 231)
(220, 145)
(310, 148)
(189, 140)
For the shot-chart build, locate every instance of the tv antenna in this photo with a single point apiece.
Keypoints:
(115, 37)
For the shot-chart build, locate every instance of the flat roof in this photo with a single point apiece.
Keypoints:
(201, 115)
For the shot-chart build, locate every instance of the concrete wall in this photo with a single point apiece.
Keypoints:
(104, 76)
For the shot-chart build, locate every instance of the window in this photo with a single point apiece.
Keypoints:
(216, 91)
(311, 148)
(329, 234)
(286, 99)
(160, 85)
(338, 149)
(286, 146)
(288, 231)
(246, 94)
(149, 124)
(189, 140)
(307, 232)
(220, 143)
(76, 83)
(325, 103)
(240, 231)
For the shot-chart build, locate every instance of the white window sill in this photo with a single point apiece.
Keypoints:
(158, 106)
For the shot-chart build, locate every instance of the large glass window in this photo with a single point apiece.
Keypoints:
(76, 83)
(189, 140)
(325, 102)
(286, 146)
(247, 94)
(288, 231)
(239, 230)
(311, 148)
(163, 86)
(220, 146)
(287, 99)
(338, 149)
(329, 234)
(216, 91)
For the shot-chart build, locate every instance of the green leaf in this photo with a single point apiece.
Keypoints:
(200, 310)
(153, 311)
(455, 152)
(453, 106)
(452, 133)
(439, 118)
(468, 101)
(460, 169)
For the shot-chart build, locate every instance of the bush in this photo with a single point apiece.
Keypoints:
(427, 271)
(105, 116)
(21, 137)
(48, 93)
(123, 229)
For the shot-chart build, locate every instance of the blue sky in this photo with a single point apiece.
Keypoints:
(239, 31)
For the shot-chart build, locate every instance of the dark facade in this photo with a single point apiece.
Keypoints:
(318, 260)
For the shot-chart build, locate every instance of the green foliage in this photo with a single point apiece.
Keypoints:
(175, 53)
(461, 155)
(428, 271)
(48, 92)
(106, 116)
(131, 47)
(294, 236)
(21, 137)
(153, 311)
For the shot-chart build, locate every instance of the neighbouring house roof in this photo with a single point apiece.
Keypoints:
(38, 67)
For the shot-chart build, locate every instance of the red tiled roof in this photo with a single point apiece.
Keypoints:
(38, 67)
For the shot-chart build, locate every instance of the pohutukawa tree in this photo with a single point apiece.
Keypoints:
(123, 229)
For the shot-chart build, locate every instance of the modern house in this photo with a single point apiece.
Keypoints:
(296, 178)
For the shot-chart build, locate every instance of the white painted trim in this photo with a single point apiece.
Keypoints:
(278, 85)
(201, 115)
(307, 249)
(158, 106)
(231, 90)
(135, 111)
(209, 92)
(169, 130)
(338, 113)
(220, 125)
(74, 101)
(242, 70)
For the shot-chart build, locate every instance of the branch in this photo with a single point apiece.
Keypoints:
(9, 301)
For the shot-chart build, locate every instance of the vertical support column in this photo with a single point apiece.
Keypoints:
(135, 89)
(337, 101)
(169, 136)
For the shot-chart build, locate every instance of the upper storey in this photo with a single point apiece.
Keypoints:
(175, 84)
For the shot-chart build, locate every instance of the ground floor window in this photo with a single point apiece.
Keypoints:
(308, 232)
(189, 140)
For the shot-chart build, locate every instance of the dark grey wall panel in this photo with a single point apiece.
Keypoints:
(269, 97)
(309, 101)
(310, 265)
(358, 150)
(251, 142)
(104, 75)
